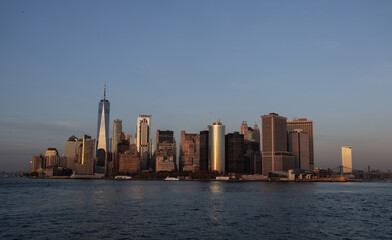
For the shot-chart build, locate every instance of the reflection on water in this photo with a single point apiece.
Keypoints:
(193, 210)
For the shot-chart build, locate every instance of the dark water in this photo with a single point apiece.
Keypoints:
(91, 209)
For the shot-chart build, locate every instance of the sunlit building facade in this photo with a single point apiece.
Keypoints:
(216, 147)
(307, 127)
(347, 161)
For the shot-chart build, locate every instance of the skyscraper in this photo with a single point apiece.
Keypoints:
(71, 150)
(234, 153)
(203, 153)
(347, 161)
(216, 147)
(299, 146)
(117, 130)
(275, 156)
(103, 123)
(189, 152)
(252, 159)
(143, 139)
(306, 126)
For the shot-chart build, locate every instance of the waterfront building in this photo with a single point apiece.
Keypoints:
(103, 123)
(216, 147)
(347, 161)
(129, 160)
(252, 158)
(85, 159)
(143, 139)
(307, 127)
(165, 153)
(102, 134)
(51, 157)
(117, 130)
(164, 160)
(37, 164)
(275, 156)
(189, 152)
(235, 153)
(203, 152)
(298, 141)
(71, 150)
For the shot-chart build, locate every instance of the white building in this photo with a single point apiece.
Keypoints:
(347, 161)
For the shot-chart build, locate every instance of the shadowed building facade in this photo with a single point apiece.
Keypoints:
(235, 153)
(165, 154)
(129, 160)
(252, 158)
(189, 152)
(307, 127)
(299, 146)
(203, 152)
(275, 156)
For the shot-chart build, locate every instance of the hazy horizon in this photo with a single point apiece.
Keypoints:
(189, 63)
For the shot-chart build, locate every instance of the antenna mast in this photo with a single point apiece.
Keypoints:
(104, 92)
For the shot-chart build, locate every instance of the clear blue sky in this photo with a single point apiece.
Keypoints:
(189, 63)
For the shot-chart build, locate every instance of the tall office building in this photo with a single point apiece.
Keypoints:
(216, 147)
(189, 152)
(117, 130)
(71, 150)
(347, 161)
(203, 153)
(103, 124)
(143, 139)
(299, 146)
(85, 161)
(275, 156)
(306, 126)
(235, 153)
(165, 154)
(252, 158)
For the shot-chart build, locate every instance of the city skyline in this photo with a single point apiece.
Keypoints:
(189, 64)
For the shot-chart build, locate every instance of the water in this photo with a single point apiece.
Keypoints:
(92, 209)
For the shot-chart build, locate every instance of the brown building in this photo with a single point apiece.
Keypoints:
(275, 156)
(235, 152)
(299, 146)
(164, 161)
(306, 126)
(189, 152)
(129, 160)
(37, 163)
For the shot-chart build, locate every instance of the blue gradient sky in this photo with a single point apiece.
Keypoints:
(189, 63)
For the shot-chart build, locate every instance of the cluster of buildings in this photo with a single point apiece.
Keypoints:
(282, 145)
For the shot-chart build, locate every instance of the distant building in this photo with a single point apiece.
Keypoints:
(102, 135)
(203, 153)
(252, 158)
(306, 126)
(103, 123)
(85, 159)
(235, 153)
(71, 150)
(275, 156)
(117, 130)
(165, 154)
(347, 161)
(189, 152)
(52, 158)
(129, 160)
(298, 141)
(143, 139)
(37, 164)
(216, 148)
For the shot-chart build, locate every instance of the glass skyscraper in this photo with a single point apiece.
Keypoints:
(103, 123)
